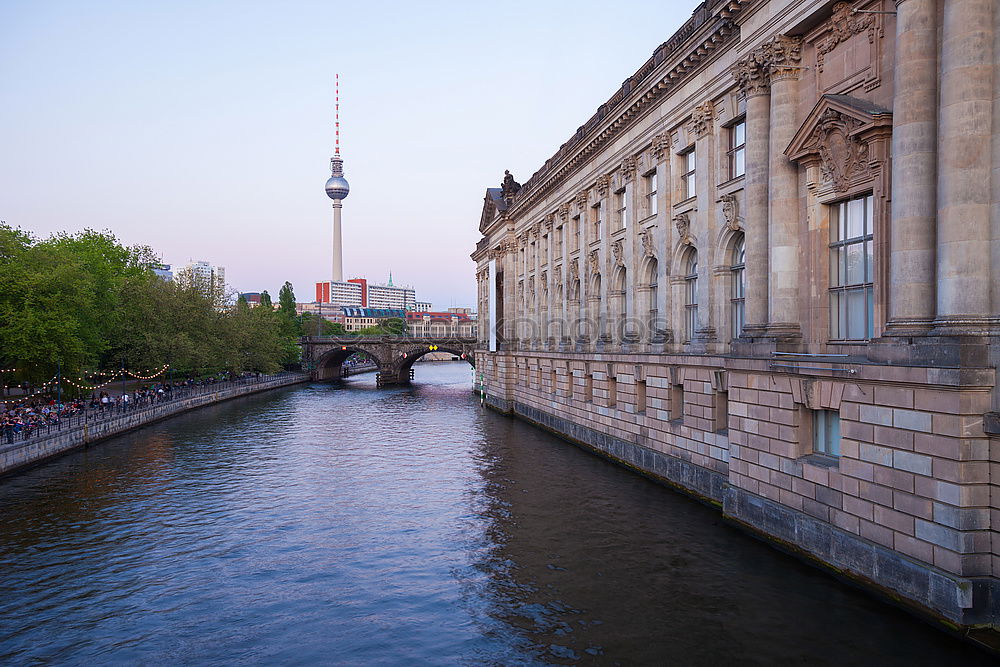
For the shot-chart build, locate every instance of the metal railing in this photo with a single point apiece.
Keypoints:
(92, 415)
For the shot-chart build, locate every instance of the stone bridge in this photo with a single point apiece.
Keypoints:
(324, 356)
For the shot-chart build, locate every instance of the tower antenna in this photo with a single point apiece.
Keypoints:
(337, 189)
(336, 112)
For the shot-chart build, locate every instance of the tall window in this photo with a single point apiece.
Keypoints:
(688, 175)
(737, 149)
(826, 432)
(652, 299)
(560, 234)
(852, 303)
(649, 181)
(621, 209)
(576, 233)
(691, 295)
(595, 219)
(737, 298)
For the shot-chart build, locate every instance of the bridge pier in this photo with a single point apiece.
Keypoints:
(394, 376)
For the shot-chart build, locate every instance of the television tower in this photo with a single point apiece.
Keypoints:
(337, 189)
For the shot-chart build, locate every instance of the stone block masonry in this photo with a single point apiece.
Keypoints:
(19, 455)
(905, 507)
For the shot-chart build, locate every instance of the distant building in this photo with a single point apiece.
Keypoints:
(361, 293)
(162, 270)
(440, 324)
(252, 298)
(356, 318)
(423, 306)
(349, 293)
(205, 276)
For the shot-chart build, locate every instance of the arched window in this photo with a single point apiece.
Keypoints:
(619, 303)
(652, 296)
(737, 289)
(690, 294)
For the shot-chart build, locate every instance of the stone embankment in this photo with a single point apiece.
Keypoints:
(20, 454)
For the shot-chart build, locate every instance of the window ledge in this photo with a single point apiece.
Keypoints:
(821, 460)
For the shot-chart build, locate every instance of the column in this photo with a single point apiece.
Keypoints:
(914, 169)
(755, 85)
(702, 127)
(783, 189)
(964, 150)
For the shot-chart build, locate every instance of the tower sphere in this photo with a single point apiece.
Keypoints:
(337, 187)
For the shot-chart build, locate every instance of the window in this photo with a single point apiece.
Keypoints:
(737, 149)
(595, 219)
(570, 378)
(588, 387)
(677, 402)
(640, 397)
(621, 210)
(560, 242)
(649, 182)
(576, 233)
(691, 295)
(826, 432)
(687, 175)
(852, 303)
(612, 391)
(554, 382)
(737, 298)
(721, 411)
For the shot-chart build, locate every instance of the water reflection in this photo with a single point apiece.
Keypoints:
(351, 525)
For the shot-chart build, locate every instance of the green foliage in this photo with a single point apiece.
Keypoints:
(310, 324)
(88, 302)
(393, 326)
(265, 300)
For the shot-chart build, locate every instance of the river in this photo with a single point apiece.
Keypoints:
(345, 524)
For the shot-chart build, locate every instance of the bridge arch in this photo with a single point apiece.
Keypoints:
(330, 366)
(393, 355)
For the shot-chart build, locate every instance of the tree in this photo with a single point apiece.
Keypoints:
(286, 301)
(265, 300)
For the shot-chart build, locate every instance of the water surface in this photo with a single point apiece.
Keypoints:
(344, 524)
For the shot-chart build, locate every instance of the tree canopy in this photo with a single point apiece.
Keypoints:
(87, 302)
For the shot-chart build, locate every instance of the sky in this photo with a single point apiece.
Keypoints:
(204, 129)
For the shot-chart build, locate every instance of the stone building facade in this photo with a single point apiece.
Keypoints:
(767, 271)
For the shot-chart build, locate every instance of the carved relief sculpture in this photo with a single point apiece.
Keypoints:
(628, 168)
(574, 272)
(563, 211)
(618, 252)
(581, 198)
(683, 224)
(843, 156)
(594, 263)
(731, 212)
(844, 24)
(661, 145)
(603, 182)
(702, 119)
(648, 245)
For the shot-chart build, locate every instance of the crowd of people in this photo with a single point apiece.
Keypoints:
(20, 419)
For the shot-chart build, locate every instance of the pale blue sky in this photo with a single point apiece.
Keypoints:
(204, 129)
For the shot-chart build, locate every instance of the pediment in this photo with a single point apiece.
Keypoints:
(493, 203)
(836, 134)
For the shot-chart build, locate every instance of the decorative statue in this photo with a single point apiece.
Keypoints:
(509, 187)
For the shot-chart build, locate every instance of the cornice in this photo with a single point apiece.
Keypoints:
(618, 113)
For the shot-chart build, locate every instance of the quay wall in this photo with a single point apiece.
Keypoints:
(905, 509)
(26, 453)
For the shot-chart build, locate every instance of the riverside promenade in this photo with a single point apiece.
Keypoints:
(80, 432)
